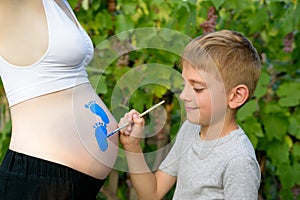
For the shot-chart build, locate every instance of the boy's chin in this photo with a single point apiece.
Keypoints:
(193, 121)
(198, 121)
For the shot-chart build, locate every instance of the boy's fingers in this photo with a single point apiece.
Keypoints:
(122, 121)
(132, 113)
(133, 118)
(138, 121)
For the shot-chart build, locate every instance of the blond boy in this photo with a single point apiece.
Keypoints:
(212, 158)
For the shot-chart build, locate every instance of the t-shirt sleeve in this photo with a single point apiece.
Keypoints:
(171, 162)
(242, 178)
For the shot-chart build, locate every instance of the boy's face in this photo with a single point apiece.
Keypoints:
(203, 95)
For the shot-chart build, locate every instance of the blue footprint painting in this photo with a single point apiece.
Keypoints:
(100, 127)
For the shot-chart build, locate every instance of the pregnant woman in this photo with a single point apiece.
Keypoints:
(58, 147)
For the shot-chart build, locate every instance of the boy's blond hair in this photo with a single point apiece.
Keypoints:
(229, 54)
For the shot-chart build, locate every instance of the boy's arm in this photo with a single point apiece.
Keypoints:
(241, 179)
(147, 185)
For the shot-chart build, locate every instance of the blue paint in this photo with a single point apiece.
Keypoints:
(100, 127)
(97, 110)
(100, 134)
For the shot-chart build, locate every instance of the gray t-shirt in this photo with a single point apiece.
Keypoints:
(225, 168)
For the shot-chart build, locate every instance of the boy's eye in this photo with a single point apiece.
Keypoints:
(198, 89)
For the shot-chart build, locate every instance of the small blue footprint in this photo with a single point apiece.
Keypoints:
(100, 134)
(100, 127)
(97, 110)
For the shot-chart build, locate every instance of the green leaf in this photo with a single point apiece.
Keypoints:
(289, 101)
(271, 107)
(264, 79)
(157, 90)
(232, 4)
(288, 140)
(278, 152)
(289, 175)
(288, 93)
(144, 7)
(287, 20)
(253, 139)
(99, 84)
(297, 17)
(260, 91)
(217, 3)
(253, 129)
(296, 150)
(247, 110)
(275, 126)
(120, 72)
(294, 125)
(140, 41)
(129, 7)
(157, 2)
(289, 89)
(137, 99)
(275, 9)
(262, 84)
(192, 2)
(259, 18)
(123, 23)
(102, 20)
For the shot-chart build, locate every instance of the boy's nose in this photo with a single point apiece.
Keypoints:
(185, 95)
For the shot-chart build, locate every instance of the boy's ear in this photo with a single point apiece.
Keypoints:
(238, 96)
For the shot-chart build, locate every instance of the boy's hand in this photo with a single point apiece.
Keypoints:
(131, 134)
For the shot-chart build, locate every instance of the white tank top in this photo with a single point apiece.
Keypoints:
(63, 65)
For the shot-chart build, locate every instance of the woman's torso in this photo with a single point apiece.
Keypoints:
(64, 126)
(61, 127)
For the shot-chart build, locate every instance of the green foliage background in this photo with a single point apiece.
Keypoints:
(271, 119)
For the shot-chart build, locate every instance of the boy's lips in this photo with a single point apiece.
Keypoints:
(189, 108)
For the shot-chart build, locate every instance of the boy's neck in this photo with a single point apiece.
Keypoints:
(217, 130)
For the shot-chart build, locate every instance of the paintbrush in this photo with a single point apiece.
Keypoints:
(140, 115)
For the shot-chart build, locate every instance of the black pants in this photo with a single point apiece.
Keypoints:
(24, 177)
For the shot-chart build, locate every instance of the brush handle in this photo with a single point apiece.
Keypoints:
(152, 108)
(115, 131)
(140, 115)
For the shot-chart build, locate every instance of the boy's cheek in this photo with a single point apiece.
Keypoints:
(194, 117)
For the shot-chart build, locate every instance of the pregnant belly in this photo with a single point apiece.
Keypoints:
(67, 127)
